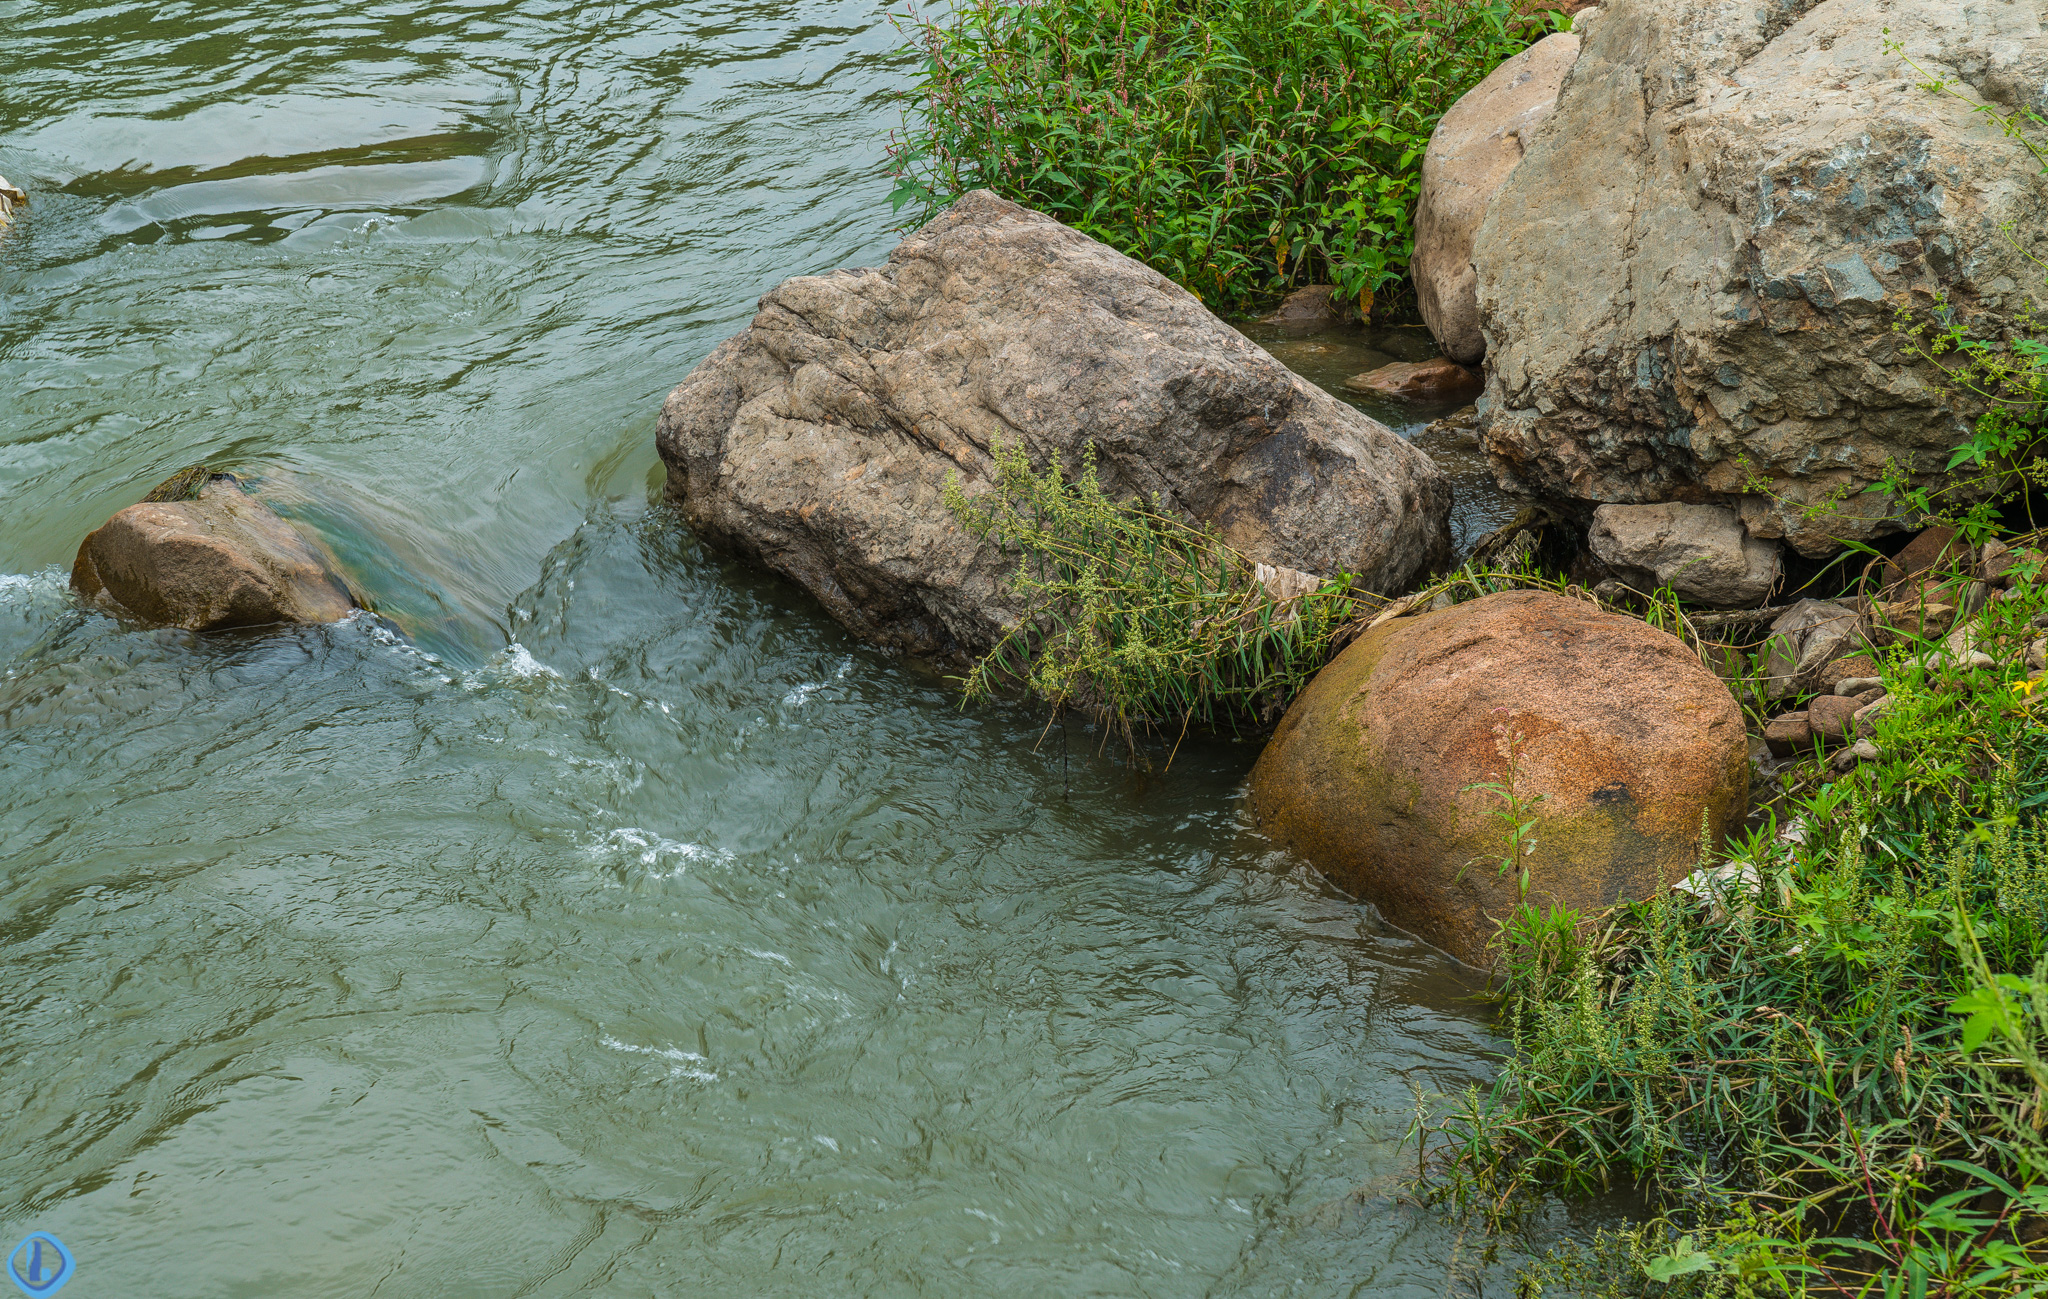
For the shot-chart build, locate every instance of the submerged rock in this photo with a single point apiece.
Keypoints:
(202, 554)
(1691, 278)
(819, 441)
(1308, 310)
(1627, 738)
(1476, 145)
(1699, 551)
(1437, 379)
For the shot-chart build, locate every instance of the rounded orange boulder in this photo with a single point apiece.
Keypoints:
(1630, 742)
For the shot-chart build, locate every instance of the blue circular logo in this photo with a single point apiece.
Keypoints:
(39, 1265)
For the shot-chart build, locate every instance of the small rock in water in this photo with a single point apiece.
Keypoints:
(202, 554)
(10, 199)
(1461, 425)
(1441, 379)
(1308, 310)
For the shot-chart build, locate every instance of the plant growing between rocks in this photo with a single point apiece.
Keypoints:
(1138, 617)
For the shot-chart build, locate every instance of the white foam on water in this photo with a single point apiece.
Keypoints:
(800, 694)
(687, 1064)
(663, 858)
(515, 660)
(516, 664)
(23, 587)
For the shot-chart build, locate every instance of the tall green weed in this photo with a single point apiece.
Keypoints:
(1240, 147)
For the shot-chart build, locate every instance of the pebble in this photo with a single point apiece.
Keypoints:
(1857, 685)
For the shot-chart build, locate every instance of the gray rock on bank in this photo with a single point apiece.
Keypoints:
(1700, 551)
(1474, 148)
(1693, 272)
(202, 554)
(819, 440)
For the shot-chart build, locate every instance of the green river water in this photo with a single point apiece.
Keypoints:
(622, 927)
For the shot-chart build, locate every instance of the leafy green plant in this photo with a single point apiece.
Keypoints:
(1137, 616)
(1823, 1062)
(1237, 146)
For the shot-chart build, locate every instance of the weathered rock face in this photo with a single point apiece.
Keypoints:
(1625, 735)
(1699, 551)
(1804, 641)
(1474, 148)
(819, 441)
(10, 199)
(216, 560)
(1698, 261)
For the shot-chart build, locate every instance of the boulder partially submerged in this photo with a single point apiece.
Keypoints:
(818, 442)
(1633, 747)
(1691, 278)
(202, 554)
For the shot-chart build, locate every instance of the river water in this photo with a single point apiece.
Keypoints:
(607, 922)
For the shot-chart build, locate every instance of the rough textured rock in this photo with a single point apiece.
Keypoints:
(1788, 733)
(10, 199)
(1804, 640)
(1437, 379)
(1474, 148)
(1308, 310)
(819, 441)
(1847, 667)
(1627, 738)
(1937, 552)
(204, 555)
(1693, 273)
(1699, 551)
(1829, 715)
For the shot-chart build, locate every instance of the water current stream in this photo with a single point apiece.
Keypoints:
(622, 928)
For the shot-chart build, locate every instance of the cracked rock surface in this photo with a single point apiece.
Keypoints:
(1693, 273)
(818, 442)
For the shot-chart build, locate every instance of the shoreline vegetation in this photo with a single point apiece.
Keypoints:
(1241, 148)
(1822, 1062)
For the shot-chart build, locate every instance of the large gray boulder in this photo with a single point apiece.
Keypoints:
(819, 440)
(1474, 148)
(1692, 275)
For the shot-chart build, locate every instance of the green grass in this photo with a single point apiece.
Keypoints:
(1826, 1074)
(1239, 147)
